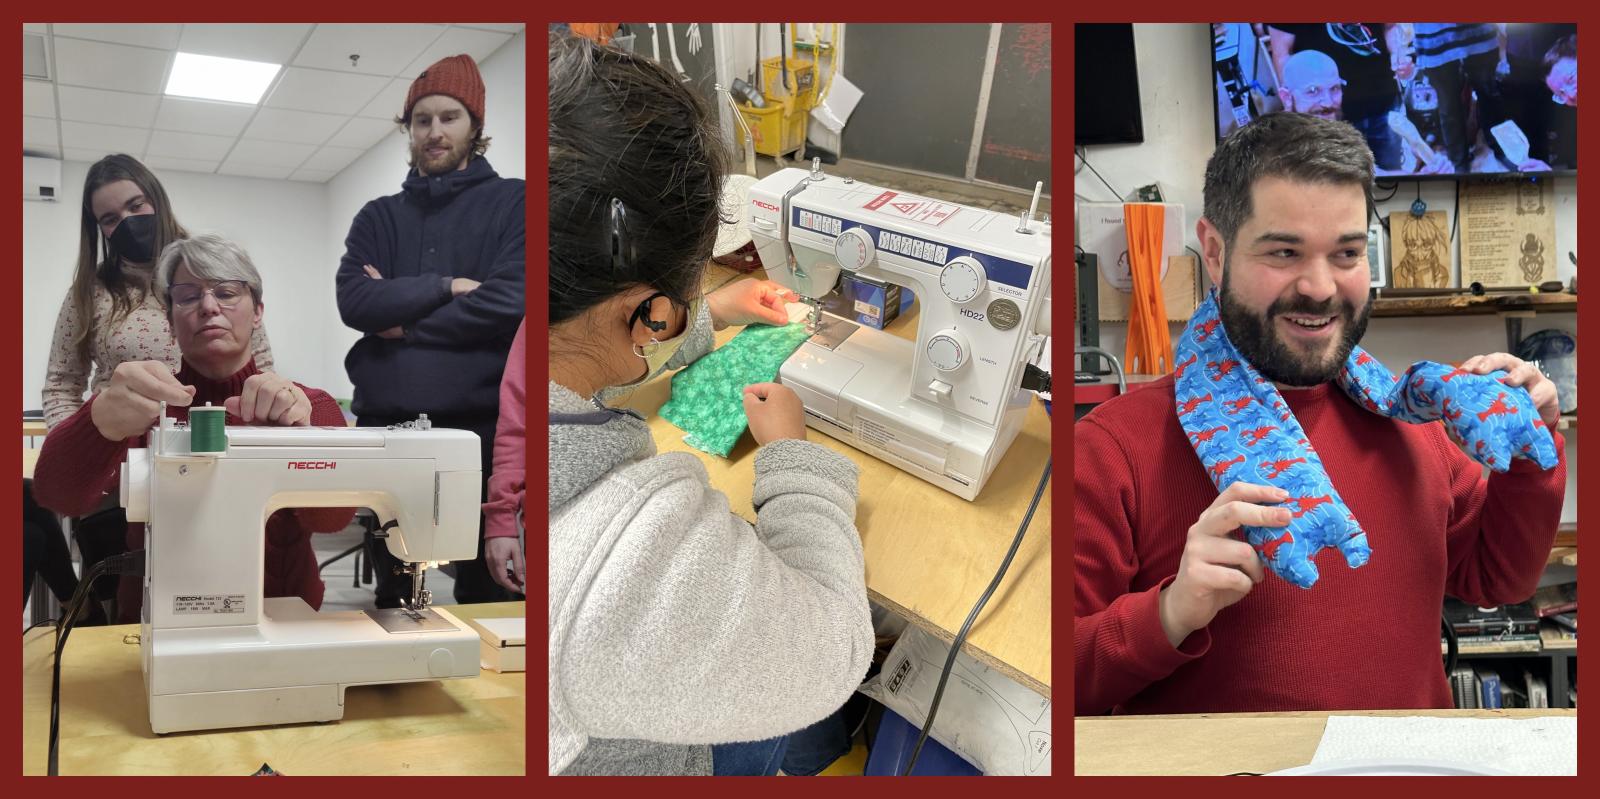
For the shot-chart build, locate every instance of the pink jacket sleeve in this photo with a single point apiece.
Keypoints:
(510, 479)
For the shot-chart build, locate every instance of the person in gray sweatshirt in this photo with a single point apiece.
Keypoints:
(683, 639)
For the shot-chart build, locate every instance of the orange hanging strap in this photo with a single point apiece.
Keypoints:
(1149, 345)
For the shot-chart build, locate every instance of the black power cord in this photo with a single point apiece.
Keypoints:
(1084, 156)
(1035, 379)
(961, 637)
(126, 563)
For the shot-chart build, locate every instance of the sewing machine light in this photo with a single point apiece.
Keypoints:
(963, 279)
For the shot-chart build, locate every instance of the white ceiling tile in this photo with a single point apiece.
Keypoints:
(475, 43)
(41, 150)
(86, 156)
(161, 36)
(110, 66)
(105, 138)
(363, 133)
(38, 98)
(327, 92)
(270, 153)
(189, 115)
(389, 102)
(108, 108)
(273, 43)
(278, 124)
(385, 49)
(173, 144)
(312, 176)
(255, 170)
(34, 27)
(39, 130)
(160, 162)
(332, 159)
(507, 27)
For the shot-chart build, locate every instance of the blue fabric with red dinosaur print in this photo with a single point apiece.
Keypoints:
(1241, 429)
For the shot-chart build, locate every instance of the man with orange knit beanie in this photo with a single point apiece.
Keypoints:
(433, 278)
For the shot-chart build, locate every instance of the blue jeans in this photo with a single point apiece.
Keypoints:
(748, 758)
(816, 747)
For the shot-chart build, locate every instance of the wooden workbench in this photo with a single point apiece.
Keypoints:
(459, 727)
(1222, 743)
(929, 553)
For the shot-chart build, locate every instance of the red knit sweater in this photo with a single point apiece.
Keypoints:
(77, 467)
(1363, 638)
(509, 483)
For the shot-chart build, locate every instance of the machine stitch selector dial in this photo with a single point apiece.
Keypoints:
(963, 279)
(854, 250)
(948, 350)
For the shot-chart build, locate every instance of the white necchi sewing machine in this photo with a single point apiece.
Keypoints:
(216, 653)
(946, 407)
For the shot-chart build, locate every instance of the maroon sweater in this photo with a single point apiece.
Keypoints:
(77, 467)
(1360, 638)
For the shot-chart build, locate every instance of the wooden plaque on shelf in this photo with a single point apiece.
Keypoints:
(1180, 288)
(1508, 232)
(1420, 250)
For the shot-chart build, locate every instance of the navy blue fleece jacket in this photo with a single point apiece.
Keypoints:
(468, 223)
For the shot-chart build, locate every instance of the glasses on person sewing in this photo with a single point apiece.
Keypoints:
(1320, 92)
(227, 293)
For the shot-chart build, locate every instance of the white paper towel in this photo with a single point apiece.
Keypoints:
(1547, 745)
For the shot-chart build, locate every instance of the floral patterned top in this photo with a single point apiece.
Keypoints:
(142, 335)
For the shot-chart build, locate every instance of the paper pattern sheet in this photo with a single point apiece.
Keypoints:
(1544, 746)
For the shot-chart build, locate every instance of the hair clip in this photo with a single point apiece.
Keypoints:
(619, 219)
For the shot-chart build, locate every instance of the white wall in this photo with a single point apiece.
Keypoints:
(1179, 131)
(280, 223)
(380, 171)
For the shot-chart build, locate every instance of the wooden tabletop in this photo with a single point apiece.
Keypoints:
(33, 427)
(457, 727)
(929, 553)
(1222, 743)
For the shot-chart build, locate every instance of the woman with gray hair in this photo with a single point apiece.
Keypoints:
(212, 294)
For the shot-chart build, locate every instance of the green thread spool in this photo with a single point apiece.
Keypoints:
(208, 429)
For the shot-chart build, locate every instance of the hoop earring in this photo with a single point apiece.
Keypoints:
(653, 345)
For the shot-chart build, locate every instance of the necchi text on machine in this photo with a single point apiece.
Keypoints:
(216, 653)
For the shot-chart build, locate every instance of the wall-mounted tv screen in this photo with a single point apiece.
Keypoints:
(1433, 99)
(1105, 85)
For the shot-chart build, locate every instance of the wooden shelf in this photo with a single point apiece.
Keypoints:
(1567, 535)
(1467, 304)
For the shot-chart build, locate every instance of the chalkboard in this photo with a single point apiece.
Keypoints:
(1016, 133)
(700, 66)
(920, 85)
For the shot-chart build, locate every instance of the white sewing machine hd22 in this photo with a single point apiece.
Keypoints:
(946, 406)
(216, 653)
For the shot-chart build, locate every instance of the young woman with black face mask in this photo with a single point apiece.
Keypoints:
(683, 639)
(110, 315)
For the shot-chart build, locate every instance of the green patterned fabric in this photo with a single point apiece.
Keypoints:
(708, 397)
